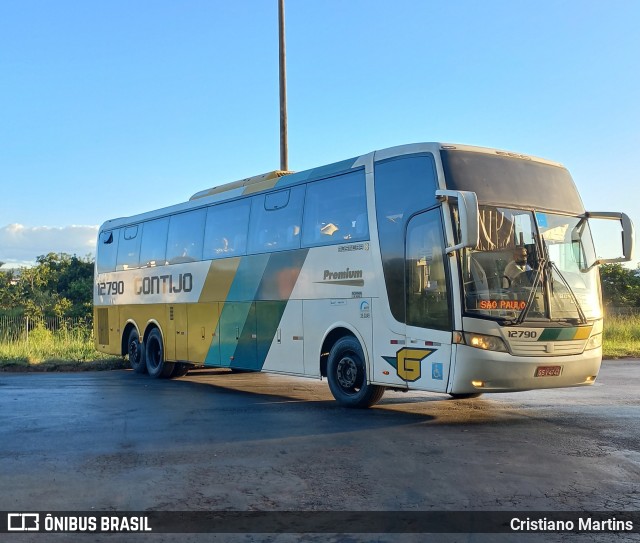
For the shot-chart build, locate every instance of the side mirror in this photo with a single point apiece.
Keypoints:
(469, 216)
(628, 234)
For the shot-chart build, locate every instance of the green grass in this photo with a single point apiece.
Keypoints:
(73, 349)
(621, 337)
(64, 350)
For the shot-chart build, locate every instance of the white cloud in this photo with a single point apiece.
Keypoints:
(20, 245)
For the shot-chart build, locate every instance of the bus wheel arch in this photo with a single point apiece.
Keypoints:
(157, 366)
(331, 337)
(347, 371)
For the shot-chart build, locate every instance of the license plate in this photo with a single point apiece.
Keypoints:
(548, 371)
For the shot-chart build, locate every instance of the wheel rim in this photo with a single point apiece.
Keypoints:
(134, 351)
(348, 374)
(154, 353)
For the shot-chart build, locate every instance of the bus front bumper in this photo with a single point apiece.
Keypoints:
(478, 371)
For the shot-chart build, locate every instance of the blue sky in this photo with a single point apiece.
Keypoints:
(114, 108)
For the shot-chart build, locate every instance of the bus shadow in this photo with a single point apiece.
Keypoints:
(267, 406)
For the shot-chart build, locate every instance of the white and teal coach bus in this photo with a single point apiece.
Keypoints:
(390, 270)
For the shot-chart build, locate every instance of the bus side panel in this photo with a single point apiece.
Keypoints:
(280, 336)
(386, 345)
(202, 323)
(106, 331)
(175, 332)
(427, 359)
(238, 335)
(256, 301)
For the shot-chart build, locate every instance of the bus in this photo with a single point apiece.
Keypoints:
(391, 270)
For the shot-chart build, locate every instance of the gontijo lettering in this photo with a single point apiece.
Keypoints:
(163, 284)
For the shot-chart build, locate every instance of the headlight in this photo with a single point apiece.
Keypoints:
(488, 343)
(594, 342)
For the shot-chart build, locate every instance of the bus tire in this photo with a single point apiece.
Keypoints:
(347, 375)
(135, 350)
(157, 366)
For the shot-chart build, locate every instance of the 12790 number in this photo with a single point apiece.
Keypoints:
(523, 334)
(110, 288)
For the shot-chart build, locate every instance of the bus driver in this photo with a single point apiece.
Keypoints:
(518, 265)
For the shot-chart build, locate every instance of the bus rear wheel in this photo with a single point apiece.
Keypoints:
(157, 366)
(347, 375)
(135, 350)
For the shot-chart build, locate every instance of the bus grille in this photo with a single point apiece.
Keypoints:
(547, 348)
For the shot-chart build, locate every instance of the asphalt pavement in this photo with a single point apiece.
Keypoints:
(214, 440)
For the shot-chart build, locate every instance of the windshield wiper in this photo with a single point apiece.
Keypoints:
(523, 314)
(583, 318)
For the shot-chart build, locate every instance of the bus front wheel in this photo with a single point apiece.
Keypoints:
(135, 350)
(347, 375)
(157, 366)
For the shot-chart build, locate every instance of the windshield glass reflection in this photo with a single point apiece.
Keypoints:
(521, 257)
(569, 244)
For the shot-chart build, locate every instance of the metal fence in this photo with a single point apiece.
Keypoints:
(621, 311)
(15, 329)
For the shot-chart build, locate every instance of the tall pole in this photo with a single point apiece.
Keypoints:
(284, 149)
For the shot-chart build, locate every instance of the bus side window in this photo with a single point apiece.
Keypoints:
(336, 210)
(153, 248)
(275, 221)
(403, 186)
(129, 248)
(186, 233)
(107, 251)
(226, 229)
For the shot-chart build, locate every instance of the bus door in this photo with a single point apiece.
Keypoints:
(425, 359)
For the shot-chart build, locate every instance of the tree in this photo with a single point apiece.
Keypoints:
(620, 286)
(58, 285)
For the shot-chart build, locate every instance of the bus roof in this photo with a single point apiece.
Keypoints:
(279, 178)
(259, 182)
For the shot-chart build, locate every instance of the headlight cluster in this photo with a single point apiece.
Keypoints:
(488, 343)
(594, 342)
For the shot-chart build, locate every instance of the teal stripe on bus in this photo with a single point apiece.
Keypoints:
(236, 310)
(254, 307)
(278, 280)
(248, 278)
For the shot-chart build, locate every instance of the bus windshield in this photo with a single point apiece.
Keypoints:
(573, 279)
(531, 266)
